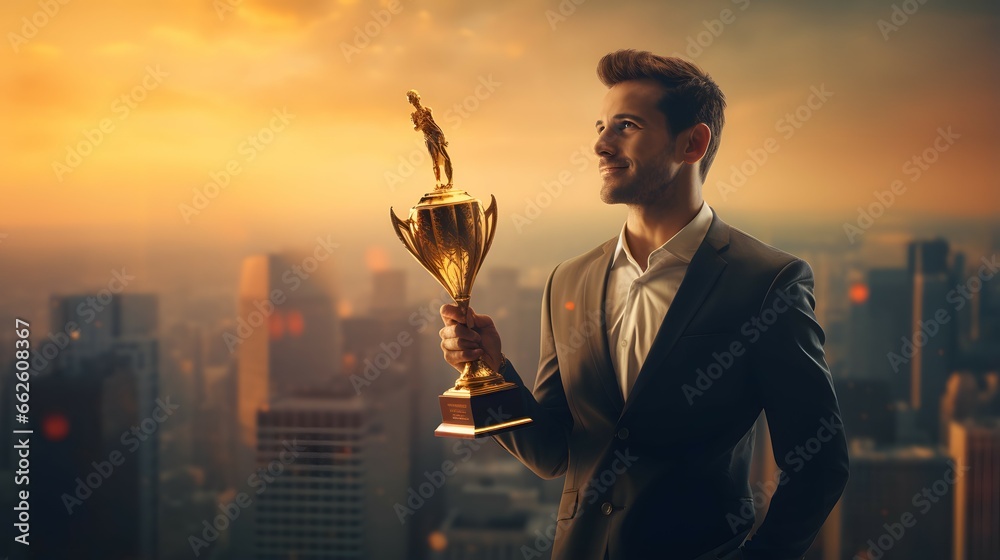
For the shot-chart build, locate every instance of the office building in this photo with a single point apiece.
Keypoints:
(898, 504)
(975, 447)
(930, 352)
(336, 470)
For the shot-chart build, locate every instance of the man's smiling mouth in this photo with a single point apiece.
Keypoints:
(606, 169)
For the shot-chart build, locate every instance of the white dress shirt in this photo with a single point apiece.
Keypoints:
(637, 300)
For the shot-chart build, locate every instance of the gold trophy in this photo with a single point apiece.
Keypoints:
(449, 234)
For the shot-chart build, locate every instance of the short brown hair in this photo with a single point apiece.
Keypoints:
(691, 96)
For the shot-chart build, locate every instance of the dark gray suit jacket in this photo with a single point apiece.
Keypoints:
(665, 474)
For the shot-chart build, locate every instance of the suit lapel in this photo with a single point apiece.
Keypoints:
(595, 289)
(703, 270)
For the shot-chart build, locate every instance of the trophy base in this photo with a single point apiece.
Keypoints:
(482, 412)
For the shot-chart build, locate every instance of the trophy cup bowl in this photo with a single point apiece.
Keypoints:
(449, 233)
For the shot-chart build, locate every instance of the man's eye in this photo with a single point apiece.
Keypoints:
(626, 124)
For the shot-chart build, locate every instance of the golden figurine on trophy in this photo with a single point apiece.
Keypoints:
(449, 233)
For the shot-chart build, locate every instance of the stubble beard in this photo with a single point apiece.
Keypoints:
(644, 189)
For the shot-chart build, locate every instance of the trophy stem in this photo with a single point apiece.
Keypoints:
(476, 375)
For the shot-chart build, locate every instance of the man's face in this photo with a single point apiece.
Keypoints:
(637, 160)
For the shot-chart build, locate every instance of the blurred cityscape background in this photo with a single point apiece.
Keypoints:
(232, 357)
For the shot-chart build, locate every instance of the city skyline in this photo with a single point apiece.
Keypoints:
(902, 445)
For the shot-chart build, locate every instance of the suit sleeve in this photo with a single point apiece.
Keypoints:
(803, 416)
(543, 446)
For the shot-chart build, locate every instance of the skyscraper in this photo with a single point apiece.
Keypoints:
(887, 310)
(286, 334)
(98, 411)
(986, 325)
(285, 341)
(312, 503)
(98, 322)
(975, 445)
(962, 399)
(898, 504)
(335, 472)
(931, 336)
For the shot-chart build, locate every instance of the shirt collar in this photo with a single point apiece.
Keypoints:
(682, 245)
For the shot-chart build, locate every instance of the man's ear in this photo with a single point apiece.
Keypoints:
(695, 143)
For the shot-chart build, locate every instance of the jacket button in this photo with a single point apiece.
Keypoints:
(606, 508)
(623, 433)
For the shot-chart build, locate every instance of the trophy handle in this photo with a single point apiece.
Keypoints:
(491, 228)
(402, 229)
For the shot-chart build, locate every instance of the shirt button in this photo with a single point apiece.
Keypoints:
(624, 343)
(623, 433)
(606, 508)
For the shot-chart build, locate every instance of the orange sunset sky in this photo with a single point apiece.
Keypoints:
(199, 78)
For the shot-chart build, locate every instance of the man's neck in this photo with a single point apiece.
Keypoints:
(650, 226)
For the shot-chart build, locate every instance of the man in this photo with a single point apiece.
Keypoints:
(689, 329)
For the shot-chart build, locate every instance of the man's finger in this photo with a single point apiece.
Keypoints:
(458, 344)
(450, 314)
(480, 321)
(460, 331)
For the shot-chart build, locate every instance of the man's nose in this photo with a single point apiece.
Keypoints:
(604, 146)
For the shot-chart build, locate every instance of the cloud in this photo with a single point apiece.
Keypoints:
(227, 74)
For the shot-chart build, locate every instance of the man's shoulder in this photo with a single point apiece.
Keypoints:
(751, 256)
(576, 267)
(744, 246)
